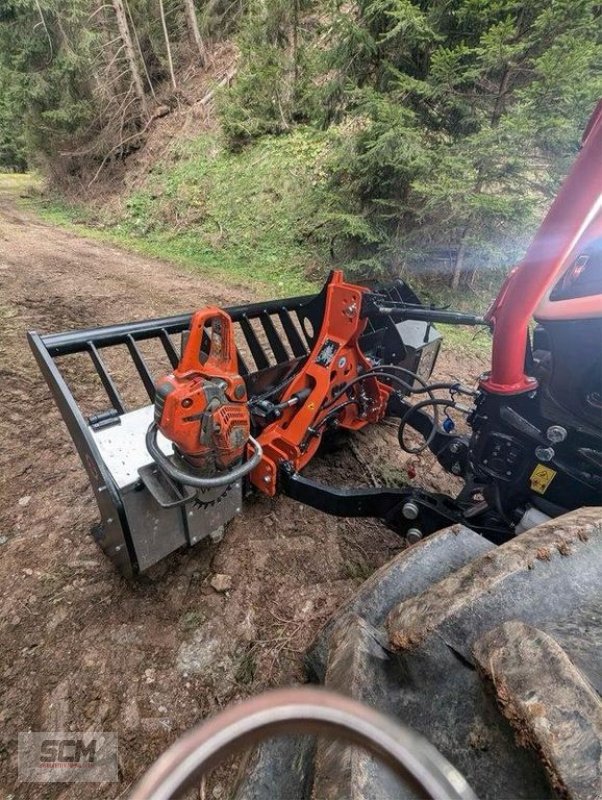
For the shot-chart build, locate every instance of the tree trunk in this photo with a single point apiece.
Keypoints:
(295, 47)
(48, 36)
(108, 79)
(140, 53)
(167, 46)
(499, 106)
(195, 33)
(459, 265)
(130, 55)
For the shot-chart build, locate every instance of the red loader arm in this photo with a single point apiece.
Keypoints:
(572, 220)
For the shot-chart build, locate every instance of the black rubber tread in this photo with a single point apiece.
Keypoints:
(548, 702)
(355, 667)
(279, 769)
(409, 573)
(437, 694)
(544, 576)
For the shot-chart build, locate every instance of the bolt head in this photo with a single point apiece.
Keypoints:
(410, 510)
(544, 453)
(556, 434)
(413, 535)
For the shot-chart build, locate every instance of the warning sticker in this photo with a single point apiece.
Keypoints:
(327, 353)
(541, 478)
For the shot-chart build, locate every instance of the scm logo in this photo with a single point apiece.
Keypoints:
(59, 756)
(67, 751)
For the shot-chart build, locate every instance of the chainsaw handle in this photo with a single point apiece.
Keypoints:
(216, 325)
(416, 762)
(191, 479)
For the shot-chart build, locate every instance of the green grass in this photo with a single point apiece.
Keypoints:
(16, 184)
(239, 216)
(461, 338)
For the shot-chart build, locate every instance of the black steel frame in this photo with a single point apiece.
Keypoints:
(436, 510)
(47, 348)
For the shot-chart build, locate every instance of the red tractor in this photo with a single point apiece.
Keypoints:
(254, 390)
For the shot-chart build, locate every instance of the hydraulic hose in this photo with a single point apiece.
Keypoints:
(196, 481)
(434, 402)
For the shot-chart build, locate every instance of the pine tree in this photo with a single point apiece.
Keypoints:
(469, 112)
(271, 86)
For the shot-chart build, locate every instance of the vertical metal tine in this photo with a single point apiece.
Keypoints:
(106, 379)
(261, 361)
(174, 359)
(274, 338)
(140, 365)
(292, 334)
(242, 367)
(307, 337)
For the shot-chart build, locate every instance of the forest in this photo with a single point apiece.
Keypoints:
(425, 135)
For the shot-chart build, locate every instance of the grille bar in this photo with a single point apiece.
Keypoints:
(140, 365)
(106, 380)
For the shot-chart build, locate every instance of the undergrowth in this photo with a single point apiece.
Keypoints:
(238, 214)
(242, 216)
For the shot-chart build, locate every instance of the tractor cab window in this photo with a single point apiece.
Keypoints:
(583, 277)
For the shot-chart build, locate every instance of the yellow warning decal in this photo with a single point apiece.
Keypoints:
(541, 478)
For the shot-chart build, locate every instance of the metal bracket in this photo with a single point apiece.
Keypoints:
(165, 491)
(401, 509)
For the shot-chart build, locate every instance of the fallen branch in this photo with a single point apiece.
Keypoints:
(210, 95)
(202, 102)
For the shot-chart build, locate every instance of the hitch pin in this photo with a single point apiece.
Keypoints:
(295, 400)
(298, 398)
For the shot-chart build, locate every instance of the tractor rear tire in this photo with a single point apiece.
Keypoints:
(494, 654)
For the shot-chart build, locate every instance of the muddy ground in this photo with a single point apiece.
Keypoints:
(82, 648)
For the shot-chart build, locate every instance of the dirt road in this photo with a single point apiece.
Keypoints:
(81, 647)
